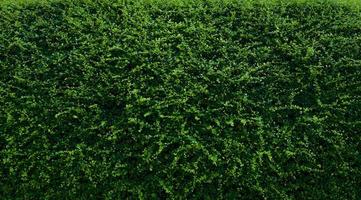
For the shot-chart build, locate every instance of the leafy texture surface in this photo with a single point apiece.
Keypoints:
(105, 99)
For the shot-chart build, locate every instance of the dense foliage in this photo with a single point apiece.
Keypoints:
(201, 99)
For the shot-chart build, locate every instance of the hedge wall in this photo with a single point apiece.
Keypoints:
(182, 100)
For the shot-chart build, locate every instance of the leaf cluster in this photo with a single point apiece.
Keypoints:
(201, 100)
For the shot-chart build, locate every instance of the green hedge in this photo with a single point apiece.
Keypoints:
(183, 99)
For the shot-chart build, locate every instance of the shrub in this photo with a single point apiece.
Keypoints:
(181, 99)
